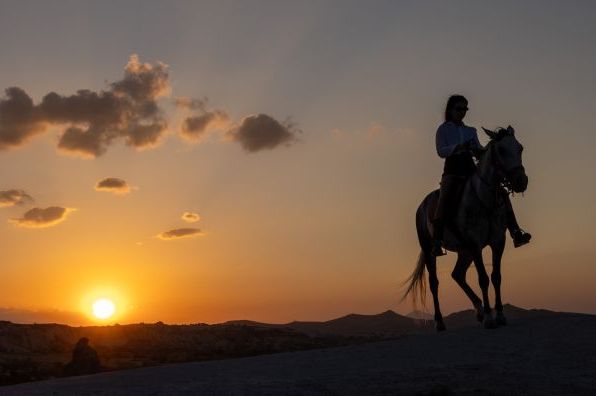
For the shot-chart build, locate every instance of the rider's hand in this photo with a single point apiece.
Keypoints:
(463, 147)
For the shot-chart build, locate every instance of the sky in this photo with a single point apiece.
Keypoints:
(263, 160)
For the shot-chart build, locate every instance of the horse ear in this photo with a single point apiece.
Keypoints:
(490, 133)
(510, 130)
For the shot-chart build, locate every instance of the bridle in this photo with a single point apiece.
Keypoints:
(502, 173)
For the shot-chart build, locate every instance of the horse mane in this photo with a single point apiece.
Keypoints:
(496, 135)
(500, 133)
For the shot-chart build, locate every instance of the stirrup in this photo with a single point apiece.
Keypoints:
(520, 237)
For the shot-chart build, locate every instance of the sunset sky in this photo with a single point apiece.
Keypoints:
(297, 137)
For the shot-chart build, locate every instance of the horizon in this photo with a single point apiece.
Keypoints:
(210, 162)
(428, 311)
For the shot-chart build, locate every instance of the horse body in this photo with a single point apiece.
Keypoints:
(480, 221)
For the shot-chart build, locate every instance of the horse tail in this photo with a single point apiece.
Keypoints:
(417, 281)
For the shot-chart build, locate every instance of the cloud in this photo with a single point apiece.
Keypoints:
(190, 217)
(14, 197)
(92, 121)
(356, 138)
(374, 131)
(196, 126)
(179, 233)
(89, 122)
(114, 185)
(42, 217)
(260, 131)
(72, 318)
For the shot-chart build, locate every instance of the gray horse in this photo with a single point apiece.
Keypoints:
(479, 221)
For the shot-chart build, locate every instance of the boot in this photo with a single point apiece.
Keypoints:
(520, 237)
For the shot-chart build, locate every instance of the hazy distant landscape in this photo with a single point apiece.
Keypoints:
(30, 352)
(538, 352)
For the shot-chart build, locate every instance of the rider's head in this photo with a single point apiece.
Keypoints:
(456, 108)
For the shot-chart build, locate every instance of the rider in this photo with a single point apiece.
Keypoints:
(458, 144)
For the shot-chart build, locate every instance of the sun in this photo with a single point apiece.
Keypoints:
(103, 308)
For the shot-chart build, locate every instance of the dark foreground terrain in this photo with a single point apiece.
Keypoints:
(541, 354)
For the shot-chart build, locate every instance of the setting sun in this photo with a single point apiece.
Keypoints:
(103, 308)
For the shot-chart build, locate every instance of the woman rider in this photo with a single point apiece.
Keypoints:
(458, 143)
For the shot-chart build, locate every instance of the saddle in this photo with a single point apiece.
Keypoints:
(453, 237)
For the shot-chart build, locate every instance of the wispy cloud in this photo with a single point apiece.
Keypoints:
(190, 217)
(201, 120)
(42, 217)
(14, 197)
(373, 132)
(179, 233)
(113, 185)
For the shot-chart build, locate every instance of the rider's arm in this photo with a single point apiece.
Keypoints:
(446, 140)
(475, 145)
(475, 142)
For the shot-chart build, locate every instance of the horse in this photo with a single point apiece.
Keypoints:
(478, 222)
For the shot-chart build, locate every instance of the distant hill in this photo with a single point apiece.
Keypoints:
(383, 325)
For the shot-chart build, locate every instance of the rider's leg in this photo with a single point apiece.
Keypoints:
(519, 236)
(449, 187)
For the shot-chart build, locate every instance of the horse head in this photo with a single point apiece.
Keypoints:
(506, 156)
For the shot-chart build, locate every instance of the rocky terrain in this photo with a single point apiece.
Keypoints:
(33, 352)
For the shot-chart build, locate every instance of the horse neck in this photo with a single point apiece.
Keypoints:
(486, 182)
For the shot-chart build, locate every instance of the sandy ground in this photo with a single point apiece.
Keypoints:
(542, 356)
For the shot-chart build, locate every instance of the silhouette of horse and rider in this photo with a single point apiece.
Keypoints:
(470, 211)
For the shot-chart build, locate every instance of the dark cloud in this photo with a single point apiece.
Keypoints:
(260, 131)
(191, 104)
(14, 197)
(195, 126)
(42, 217)
(20, 119)
(92, 120)
(114, 185)
(190, 217)
(179, 233)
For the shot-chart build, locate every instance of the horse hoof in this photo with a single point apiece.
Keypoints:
(440, 326)
(479, 313)
(479, 316)
(490, 323)
(500, 319)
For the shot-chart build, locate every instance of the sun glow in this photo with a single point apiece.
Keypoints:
(103, 303)
(103, 308)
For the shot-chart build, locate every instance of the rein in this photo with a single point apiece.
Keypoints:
(501, 181)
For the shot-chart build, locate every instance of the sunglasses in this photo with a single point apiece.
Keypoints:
(460, 108)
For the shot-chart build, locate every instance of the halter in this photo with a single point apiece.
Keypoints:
(501, 180)
(503, 174)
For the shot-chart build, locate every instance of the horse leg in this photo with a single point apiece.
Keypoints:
(459, 275)
(495, 276)
(433, 280)
(484, 281)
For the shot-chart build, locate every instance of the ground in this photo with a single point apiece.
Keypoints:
(551, 355)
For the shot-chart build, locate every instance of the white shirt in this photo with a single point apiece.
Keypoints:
(450, 135)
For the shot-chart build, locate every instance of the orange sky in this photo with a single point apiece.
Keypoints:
(312, 220)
